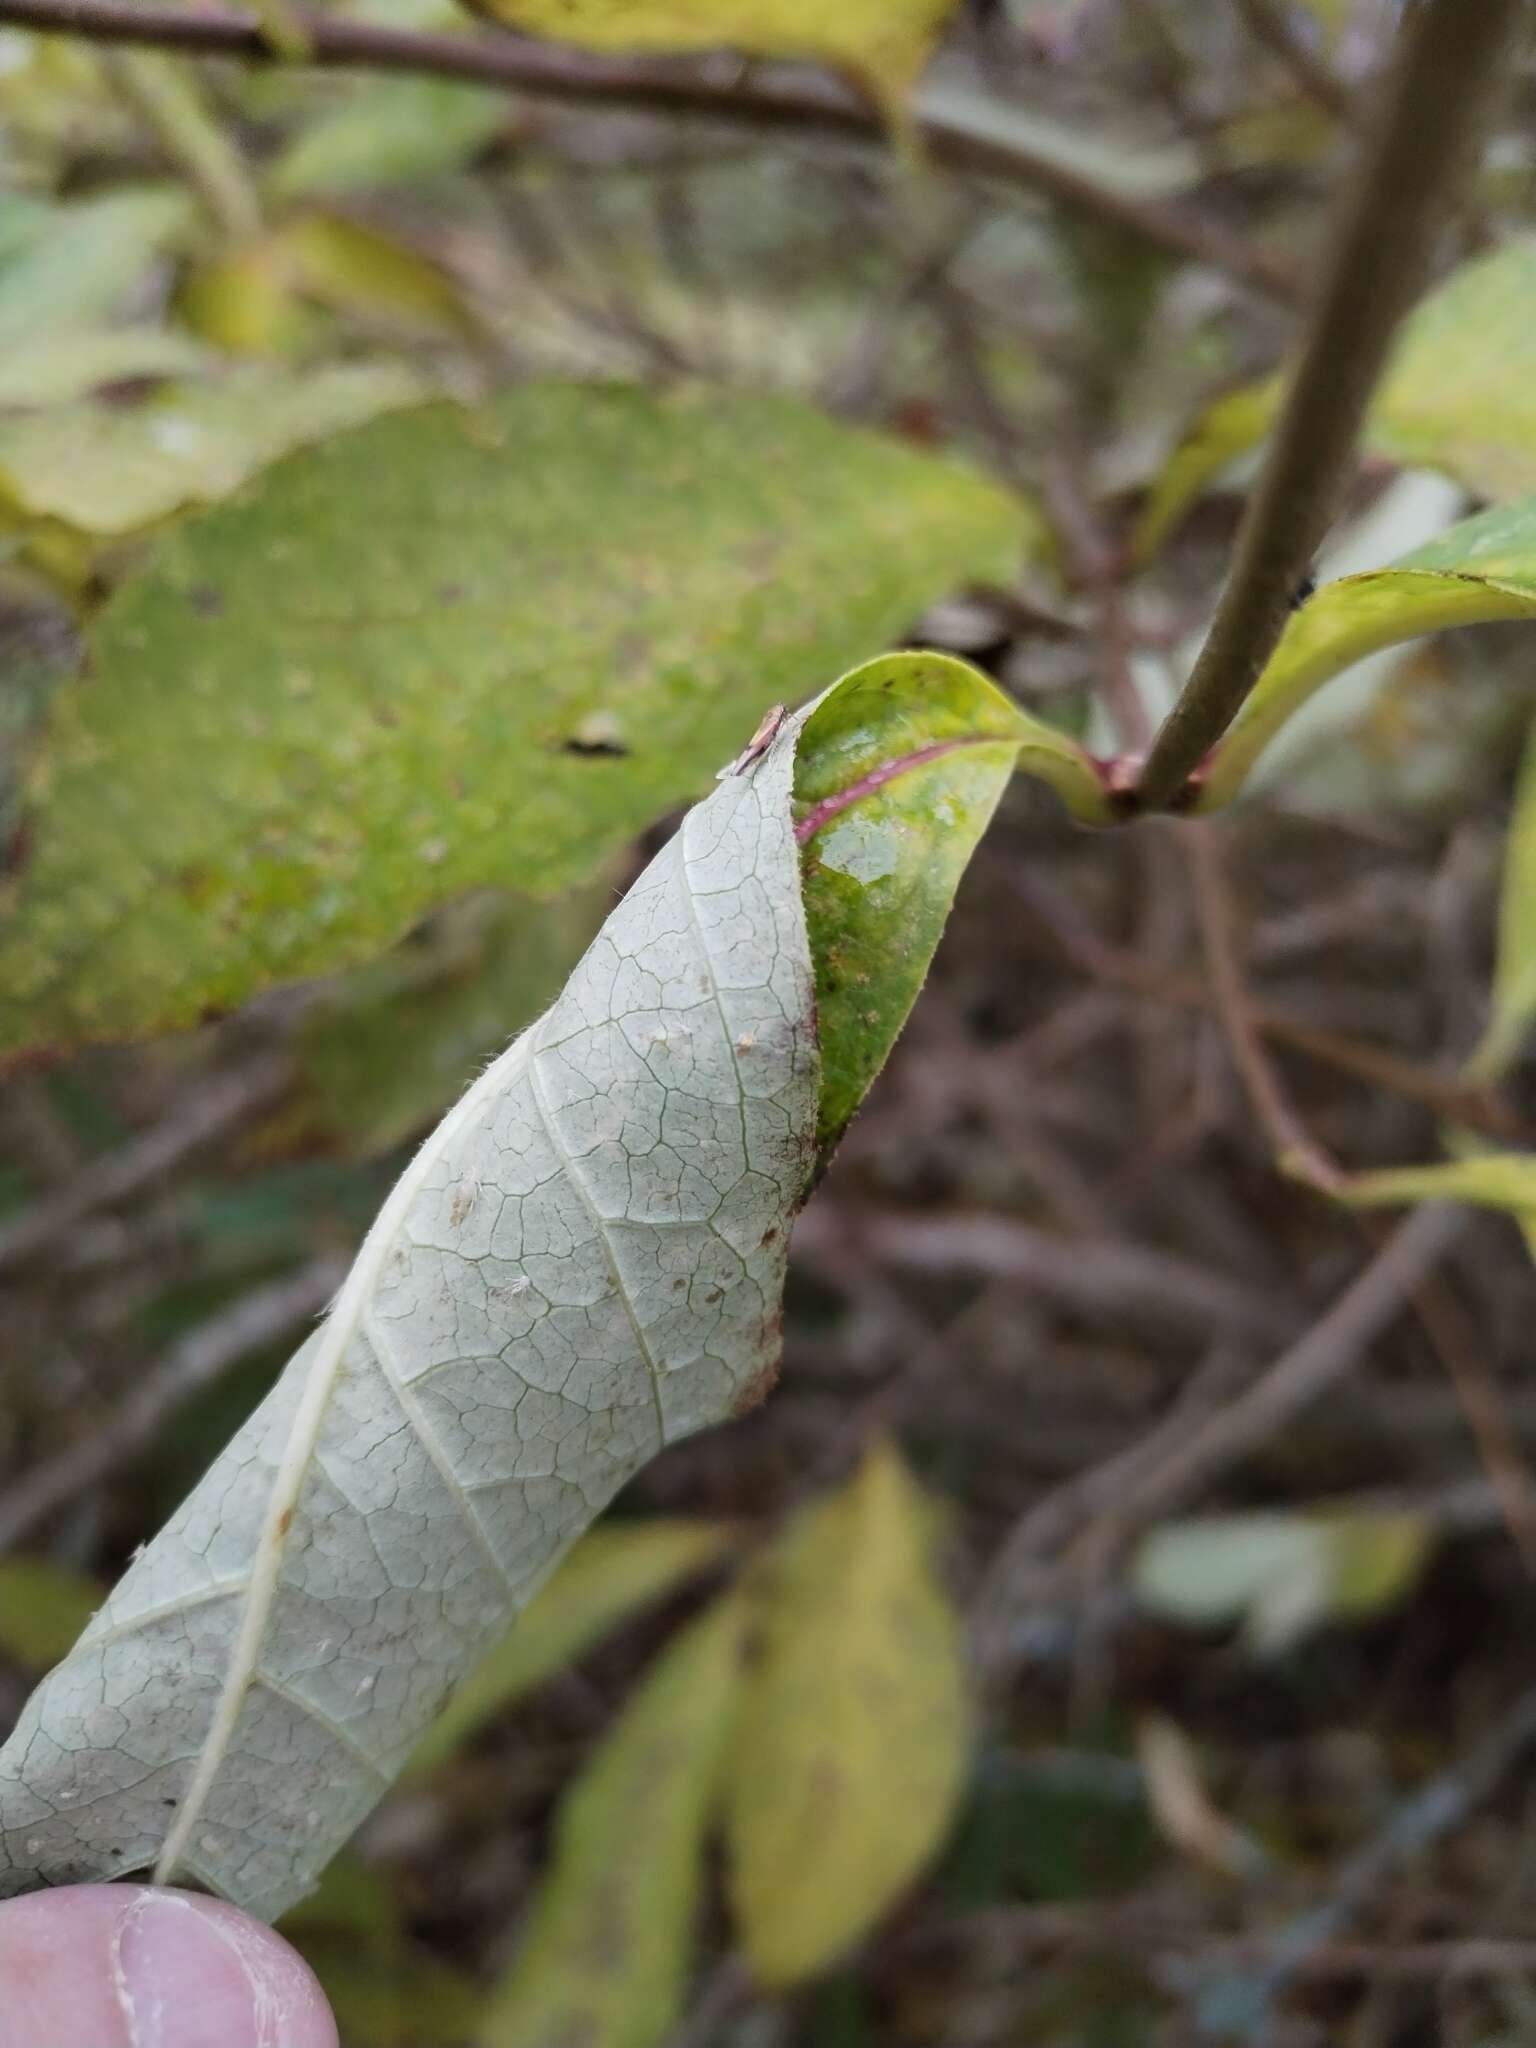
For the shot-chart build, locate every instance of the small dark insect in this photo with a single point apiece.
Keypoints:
(1306, 588)
(760, 742)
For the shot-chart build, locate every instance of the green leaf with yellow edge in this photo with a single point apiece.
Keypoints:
(1514, 976)
(885, 42)
(43, 1607)
(616, 1569)
(605, 1961)
(102, 469)
(301, 728)
(1480, 570)
(931, 744)
(851, 1747)
(383, 1049)
(1459, 394)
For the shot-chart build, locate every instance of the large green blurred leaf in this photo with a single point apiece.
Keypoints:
(112, 469)
(850, 1751)
(456, 647)
(1458, 395)
(1480, 570)
(614, 1571)
(605, 1961)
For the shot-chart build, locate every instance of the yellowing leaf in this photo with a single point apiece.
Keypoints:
(885, 41)
(113, 469)
(1514, 974)
(55, 367)
(605, 1962)
(615, 1570)
(243, 300)
(1281, 1575)
(1489, 1180)
(354, 269)
(1458, 395)
(43, 1607)
(1480, 570)
(851, 1747)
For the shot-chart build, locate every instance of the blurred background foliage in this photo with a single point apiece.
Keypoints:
(1048, 1661)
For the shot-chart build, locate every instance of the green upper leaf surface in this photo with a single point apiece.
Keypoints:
(454, 647)
(897, 774)
(1480, 570)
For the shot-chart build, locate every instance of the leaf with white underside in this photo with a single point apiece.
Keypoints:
(584, 1262)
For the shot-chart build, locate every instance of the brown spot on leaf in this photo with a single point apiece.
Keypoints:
(757, 1389)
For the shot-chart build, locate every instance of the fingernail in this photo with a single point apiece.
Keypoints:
(193, 1973)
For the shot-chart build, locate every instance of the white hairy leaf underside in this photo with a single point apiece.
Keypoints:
(584, 1262)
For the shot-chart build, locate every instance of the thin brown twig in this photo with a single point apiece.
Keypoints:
(1447, 62)
(1297, 1153)
(1271, 25)
(227, 1099)
(1104, 1278)
(775, 97)
(257, 1319)
(1479, 1107)
(1300, 1376)
(1482, 1404)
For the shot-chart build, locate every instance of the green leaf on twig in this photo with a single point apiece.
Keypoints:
(1480, 570)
